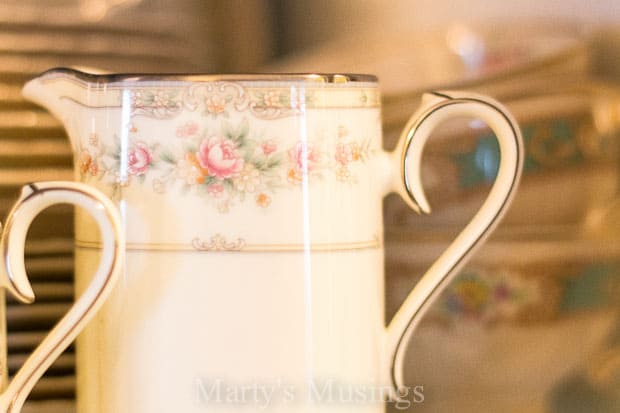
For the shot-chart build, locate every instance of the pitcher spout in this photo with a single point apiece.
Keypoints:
(54, 90)
(47, 94)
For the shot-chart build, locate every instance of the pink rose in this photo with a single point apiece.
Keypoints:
(304, 156)
(268, 147)
(188, 129)
(140, 159)
(219, 156)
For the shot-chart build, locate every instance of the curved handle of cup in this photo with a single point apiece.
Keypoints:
(33, 199)
(436, 108)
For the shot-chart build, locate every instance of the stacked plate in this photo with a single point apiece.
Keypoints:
(119, 35)
(115, 35)
(540, 298)
(503, 57)
(547, 280)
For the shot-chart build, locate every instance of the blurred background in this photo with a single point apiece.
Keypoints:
(532, 323)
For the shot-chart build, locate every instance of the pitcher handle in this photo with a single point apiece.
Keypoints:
(33, 199)
(437, 107)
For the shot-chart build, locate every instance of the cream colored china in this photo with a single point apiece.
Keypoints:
(572, 142)
(252, 211)
(33, 199)
(503, 56)
(560, 304)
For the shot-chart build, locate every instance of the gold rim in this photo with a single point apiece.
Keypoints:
(237, 245)
(37, 191)
(107, 78)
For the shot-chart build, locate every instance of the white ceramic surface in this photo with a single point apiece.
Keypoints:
(35, 198)
(252, 210)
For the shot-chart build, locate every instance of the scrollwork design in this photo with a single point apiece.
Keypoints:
(155, 103)
(218, 243)
(215, 98)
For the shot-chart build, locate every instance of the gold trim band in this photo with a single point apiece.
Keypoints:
(168, 100)
(219, 244)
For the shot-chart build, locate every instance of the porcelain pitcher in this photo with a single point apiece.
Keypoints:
(252, 209)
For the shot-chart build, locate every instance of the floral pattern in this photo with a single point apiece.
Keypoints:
(219, 99)
(492, 296)
(549, 143)
(160, 103)
(140, 158)
(219, 157)
(488, 297)
(212, 151)
(224, 166)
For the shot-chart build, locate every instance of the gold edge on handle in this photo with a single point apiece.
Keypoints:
(414, 203)
(14, 402)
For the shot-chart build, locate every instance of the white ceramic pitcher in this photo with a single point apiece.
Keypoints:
(252, 211)
(34, 198)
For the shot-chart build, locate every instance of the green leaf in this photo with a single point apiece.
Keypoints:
(191, 148)
(243, 129)
(260, 164)
(238, 134)
(273, 184)
(167, 156)
(274, 161)
(228, 184)
(228, 130)
(248, 147)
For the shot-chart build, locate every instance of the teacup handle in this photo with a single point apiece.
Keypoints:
(33, 199)
(436, 108)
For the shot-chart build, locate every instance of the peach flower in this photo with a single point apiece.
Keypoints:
(272, 99)
(84, 161)
(190, 171)
(346, 153)
(248, 179)
(215, 104)
(263, 200)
